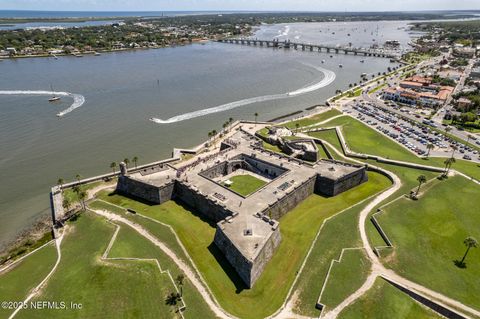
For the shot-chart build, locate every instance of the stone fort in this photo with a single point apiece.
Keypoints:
(247, 230)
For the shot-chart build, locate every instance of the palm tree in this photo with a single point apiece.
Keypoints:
(135, 160)
(113, 165)
(421, 179)
(256, 115)
(126, 161)
(230, 120)
(214, 135)
(470, 242)
(448, 164)
(78, 177)
(454, 148)
(60, 182)
(66, 204)
(224, 126)
(468, 139)
(297, 125)
(82, 196)
(76, 189)
(430, 147)
(448, 129)
(179, 281)
(172, 299)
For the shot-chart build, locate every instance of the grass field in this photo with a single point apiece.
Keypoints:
(327, 247)
(124, 289)
(428, 237)
(162, 232)
(245, 184)
(345, 278)
(313, 119)
(379, 87)
(298, 228)
(385, 301)
(28, 273)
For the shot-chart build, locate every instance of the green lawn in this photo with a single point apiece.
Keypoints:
(25, 275)
(379, 87)
(298, 229)
(345, 278)
(327, 247)
(126, 289)
(245, 184)
(313, 119)
(329, 136)
(428, 237)
(386, 302)
(408, 176)
(273, 148)
(163, 233)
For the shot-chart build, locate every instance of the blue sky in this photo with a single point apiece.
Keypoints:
(278, 5)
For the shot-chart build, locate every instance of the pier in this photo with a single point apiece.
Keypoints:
(287, 44)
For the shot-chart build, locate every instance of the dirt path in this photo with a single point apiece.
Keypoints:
(189, 273)
(35, 290)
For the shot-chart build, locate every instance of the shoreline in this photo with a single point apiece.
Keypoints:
(93, 52)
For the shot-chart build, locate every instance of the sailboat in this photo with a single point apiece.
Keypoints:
(54, 97)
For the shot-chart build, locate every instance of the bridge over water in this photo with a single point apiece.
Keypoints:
(287, 44)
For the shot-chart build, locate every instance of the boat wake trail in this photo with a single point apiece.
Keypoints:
(329, 77)
(78, 99)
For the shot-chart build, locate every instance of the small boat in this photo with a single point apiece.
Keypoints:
(340, 65)
(331, 56)
(96, 53)
(323, 61)
(54, 98)
(362, 61)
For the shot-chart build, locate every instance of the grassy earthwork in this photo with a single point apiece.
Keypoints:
(385, 301)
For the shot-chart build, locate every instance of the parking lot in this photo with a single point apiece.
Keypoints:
(412, 135)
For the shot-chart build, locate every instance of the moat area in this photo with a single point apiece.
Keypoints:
(123, 90)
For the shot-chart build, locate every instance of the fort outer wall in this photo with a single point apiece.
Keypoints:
(291, 199)
(328, 187)
(209, 207)
(249, 271)
(147, 192)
